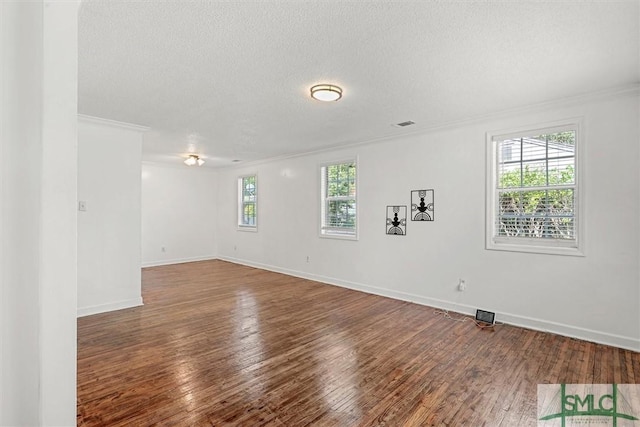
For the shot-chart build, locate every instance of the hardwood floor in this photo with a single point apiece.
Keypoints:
(223, 344)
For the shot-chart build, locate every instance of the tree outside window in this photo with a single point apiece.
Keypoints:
(339, 204)
(248, 200)
(534, 197)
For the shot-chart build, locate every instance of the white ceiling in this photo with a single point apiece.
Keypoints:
(230, 79)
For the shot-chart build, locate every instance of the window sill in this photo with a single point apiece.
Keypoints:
(248, 228)
(339, 236)
(535, 249)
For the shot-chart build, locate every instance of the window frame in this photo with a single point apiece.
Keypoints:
(241, 204)
(535, 245)
(324, 231)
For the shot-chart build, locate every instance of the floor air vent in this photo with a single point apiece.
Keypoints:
(485, 317)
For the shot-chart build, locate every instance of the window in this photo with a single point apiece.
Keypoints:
(532, 184)
(338, 200)
(247, 203)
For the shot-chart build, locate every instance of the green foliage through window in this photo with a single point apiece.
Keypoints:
(536, 187)
(248, 201)
(339, 198)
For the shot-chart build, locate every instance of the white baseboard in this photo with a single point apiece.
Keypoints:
(628, 343)
(177, 261)
(112, 306)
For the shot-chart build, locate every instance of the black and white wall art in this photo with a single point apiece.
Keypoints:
(397, 220)
(422, 205)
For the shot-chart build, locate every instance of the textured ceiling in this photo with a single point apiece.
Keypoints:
(230, 79)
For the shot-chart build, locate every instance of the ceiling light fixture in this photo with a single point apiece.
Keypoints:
(325, 92)
(193, 160)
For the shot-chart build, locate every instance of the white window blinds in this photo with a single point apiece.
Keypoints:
(338, 199)
(535, 187)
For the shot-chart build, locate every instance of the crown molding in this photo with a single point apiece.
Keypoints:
(112, 123)
(615, 92)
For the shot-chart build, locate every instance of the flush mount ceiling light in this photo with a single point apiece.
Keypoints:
(193, 160)
(325, 92)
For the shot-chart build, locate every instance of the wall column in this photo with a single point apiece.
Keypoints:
(38, 169)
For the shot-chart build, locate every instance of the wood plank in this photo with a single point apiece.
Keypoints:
(223, 344)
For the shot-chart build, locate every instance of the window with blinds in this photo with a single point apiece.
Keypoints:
(338, 199)
(248, 202)
(533, 187)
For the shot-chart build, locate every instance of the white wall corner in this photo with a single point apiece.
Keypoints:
(158, 263)
(112, 123)
(112, 306)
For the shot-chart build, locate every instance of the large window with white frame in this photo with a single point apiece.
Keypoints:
(248, 203)
(533, 184)
(338, 194)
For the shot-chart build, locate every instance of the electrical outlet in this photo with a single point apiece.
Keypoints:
(163, 249)
(462, 285)
(307, 258)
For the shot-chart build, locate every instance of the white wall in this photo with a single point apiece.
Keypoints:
(179, 214)
(595, 297)
(109, 168)
(38, 85)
